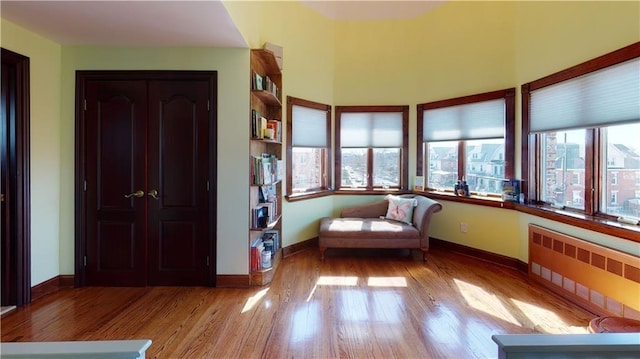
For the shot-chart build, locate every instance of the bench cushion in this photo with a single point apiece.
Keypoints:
(369, 228)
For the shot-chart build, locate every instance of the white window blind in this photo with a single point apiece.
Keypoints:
(473, 121)
(371, 129)
(309, 127)
(604, 97)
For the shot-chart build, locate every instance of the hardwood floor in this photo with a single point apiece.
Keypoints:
(367, 304)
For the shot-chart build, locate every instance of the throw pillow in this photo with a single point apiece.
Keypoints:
(400, 209)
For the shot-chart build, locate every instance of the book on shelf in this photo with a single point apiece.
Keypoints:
(270, 86)
(263, 169)
(266, 175)
(279, 170)
(268, 194)
(260, 217)
(273, 130)
(256, 124)
(272, 235)
(257, 246)
(257, 82)
(269, 210)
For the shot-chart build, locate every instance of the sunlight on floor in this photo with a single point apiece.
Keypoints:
(489, 303)
(338, 281)
(387, 282)
(546, 320)
(253, 300)
(305, 322)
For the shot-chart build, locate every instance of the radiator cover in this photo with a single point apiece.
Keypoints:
(600, 279)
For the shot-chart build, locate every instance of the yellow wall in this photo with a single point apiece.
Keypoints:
(463, 48)
(308, 72)
(44, 62)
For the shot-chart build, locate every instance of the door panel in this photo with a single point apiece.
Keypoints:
(116, 113)
(178, 169)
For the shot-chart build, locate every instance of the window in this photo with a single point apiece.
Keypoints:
(308, 147)
(468, 138)
(583, 121)
(614, 197)
(371, 147)
(563, 154)
(576, 178)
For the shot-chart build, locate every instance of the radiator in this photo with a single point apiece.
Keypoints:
(600, 279)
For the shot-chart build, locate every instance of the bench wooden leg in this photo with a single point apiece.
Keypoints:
(322, 250)
(424, 254)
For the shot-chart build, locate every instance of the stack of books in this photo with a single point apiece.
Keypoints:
(264, 169)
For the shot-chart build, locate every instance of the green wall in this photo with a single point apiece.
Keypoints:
(459, 48)
(45, 79)
(233, 152)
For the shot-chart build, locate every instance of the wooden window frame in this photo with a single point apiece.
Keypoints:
(325, 188)
(590, 218)
(404, 152)
(509, 139)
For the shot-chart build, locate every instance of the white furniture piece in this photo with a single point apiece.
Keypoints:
(101, 349)
(568, 346)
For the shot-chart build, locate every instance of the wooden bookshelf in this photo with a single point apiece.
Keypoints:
(267, 100)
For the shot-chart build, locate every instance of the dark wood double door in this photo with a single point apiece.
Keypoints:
(147, 163)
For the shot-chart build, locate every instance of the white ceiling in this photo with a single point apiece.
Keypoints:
(127, 23)
(171, 23)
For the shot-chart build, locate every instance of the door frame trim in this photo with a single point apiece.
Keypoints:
(80, 199)
(19, 258)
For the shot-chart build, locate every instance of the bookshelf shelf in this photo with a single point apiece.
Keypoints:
(266, 275)
(271, 225)
(266, 140)
(267, 97)
(265, 147)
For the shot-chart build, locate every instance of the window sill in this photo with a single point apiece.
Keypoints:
(596, 224)
(308, 195)
(490, 201)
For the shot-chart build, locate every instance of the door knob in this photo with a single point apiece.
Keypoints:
(153, 193)
(139, 193)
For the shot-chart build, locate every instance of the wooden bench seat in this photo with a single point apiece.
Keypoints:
(365, 226)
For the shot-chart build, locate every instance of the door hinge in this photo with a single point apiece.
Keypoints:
(207, 186)
(85, 104)
(207, 261)
(208, 105)
(85, 185)
(85, 261)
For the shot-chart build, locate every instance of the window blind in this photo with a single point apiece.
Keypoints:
(604, 97)
(309, 127)
(371, 129)
(478, 120)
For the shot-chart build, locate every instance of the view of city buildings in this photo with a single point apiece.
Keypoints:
(484, 171)
(564, 176)
(306, 168)
(563, 172)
